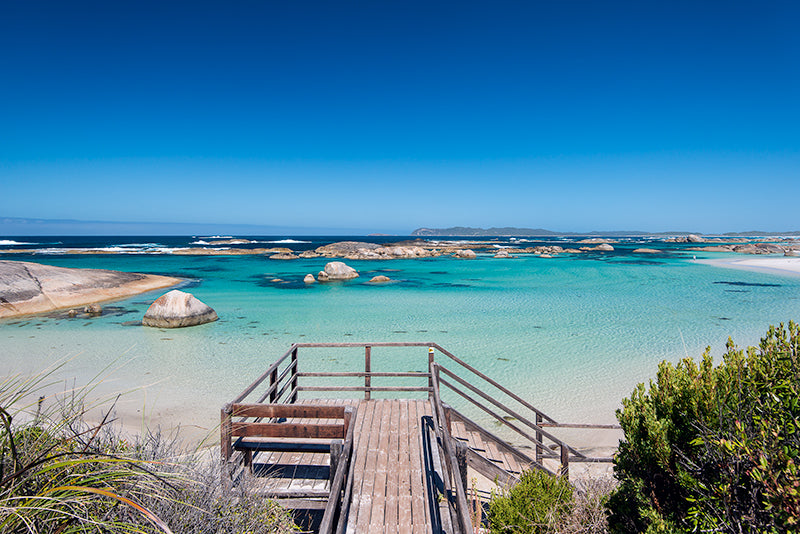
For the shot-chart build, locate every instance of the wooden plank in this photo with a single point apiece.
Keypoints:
(317, 411)
(377, 515)
(419, 499)
(365, 414)
(368, 484)
(392, 478)
(404, 470)
(287, 430)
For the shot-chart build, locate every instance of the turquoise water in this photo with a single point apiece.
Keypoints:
(574, 334)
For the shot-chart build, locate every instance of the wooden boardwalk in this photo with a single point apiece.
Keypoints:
(401, 464)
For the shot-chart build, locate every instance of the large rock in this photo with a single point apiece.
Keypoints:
(177, 309)
(27, 287)
(466, 254)
(336, 270)
(605, 247)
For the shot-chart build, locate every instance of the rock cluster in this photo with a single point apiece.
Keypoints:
(177, 309)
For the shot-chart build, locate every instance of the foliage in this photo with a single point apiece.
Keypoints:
(535, 505)
(59, 474)
(714, 449)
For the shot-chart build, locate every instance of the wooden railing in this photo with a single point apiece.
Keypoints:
(285, 381)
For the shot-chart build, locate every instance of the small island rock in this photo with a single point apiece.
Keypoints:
(380, 279)
(605, 247)
(309, 279)
(467, 254)
(177, 309)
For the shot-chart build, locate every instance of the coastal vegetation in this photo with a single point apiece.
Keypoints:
(60, 474)
(714, 448)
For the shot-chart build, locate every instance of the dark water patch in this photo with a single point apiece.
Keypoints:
(439, 272)
(422, 331)
(503, 359)
(399, 331)
(26, 323)
(442, 331)
(445, 284)
(87, 324)
(748, 284)
(131, 323)
(537, 327)
(736, 291)
(635, 262)
(724, 318)
(211, 269)
(348, 335)
(166, 339)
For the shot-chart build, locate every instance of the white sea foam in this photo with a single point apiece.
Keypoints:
(200, 242)
(218, 237)
(12, 242)
(294, 241)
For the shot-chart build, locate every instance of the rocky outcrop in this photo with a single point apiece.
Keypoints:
(177, 309)
(336, 270)
(604, 247)
(27, 287)
(465, 254)
(646, 251)
(283, 256)
(502, 254)
(380, 279)
(309, 279)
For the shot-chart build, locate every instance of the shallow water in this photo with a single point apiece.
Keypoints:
(574, 334)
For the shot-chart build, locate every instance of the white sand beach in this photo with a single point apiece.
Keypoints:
(773, 264)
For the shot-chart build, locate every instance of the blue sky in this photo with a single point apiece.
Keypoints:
(388, 116)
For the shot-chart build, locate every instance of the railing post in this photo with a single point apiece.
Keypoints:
(430, 373)
(539, 438)
(367, 370)
(294, 364)
(273, 378)
(564, 461)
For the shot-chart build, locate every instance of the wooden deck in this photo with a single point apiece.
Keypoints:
(404, 462)
(389, 483)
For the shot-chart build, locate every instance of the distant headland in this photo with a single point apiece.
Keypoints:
(510, 231)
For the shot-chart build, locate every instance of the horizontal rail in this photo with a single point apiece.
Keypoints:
(581, 425)
(287, 430)
(363, 388)
(410, 374)
(355, 345)
(303, 411)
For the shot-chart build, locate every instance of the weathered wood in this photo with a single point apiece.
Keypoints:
(362, 388)
(302, 504)
(356, 374)
(461, 458)
(273, 385)
(287, 430)
(249, 389)
(336, 457)
(295, 373)
(564, 461)
(367, 370)
(490, 469)
(260, 444)
(287, 410)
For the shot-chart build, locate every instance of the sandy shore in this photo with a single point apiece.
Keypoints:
(774, 265)
(27, 288)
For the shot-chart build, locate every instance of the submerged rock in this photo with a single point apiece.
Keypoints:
(380, 279)
(177, 309)
(337, 270)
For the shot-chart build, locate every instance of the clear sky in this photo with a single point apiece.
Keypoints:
(390, 115)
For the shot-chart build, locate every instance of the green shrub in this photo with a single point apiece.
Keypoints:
(535, 505)
(714, 448)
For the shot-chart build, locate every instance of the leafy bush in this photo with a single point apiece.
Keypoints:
(535, 505)
(714, 448)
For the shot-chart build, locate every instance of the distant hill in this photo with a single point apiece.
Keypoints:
(467, 231)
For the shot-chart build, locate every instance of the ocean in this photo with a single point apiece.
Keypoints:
(573, 334)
